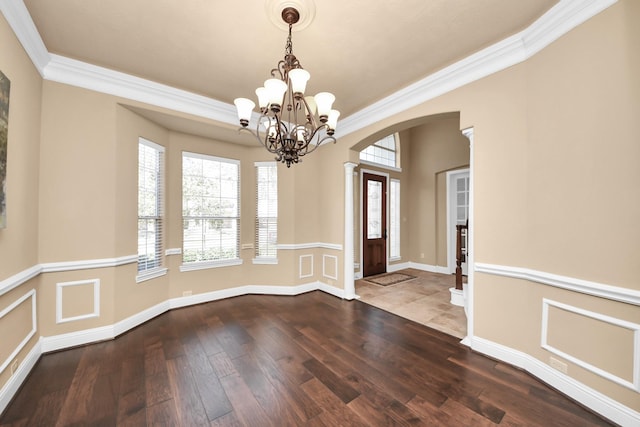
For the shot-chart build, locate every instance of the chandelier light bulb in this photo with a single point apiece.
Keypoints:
(299, 79)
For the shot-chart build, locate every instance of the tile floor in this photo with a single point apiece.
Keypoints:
(424, 300)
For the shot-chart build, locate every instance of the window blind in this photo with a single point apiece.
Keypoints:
(394, 219)
(210, 208)
(150, 205)
(266, 209)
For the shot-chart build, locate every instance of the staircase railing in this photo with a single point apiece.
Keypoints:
(461, 251)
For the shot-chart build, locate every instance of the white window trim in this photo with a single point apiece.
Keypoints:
(396, 152)
(381, 166)
(264, 260)
(203, 265)
(397, 257)
(153, 272)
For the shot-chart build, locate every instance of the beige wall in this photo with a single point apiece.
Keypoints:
(435, 148)
(19, 240)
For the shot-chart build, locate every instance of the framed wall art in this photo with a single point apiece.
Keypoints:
(5, 85)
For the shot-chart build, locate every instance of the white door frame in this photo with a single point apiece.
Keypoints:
(451, 234)
(360, 201)
(469, 288)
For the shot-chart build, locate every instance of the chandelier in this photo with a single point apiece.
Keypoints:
(291, 125)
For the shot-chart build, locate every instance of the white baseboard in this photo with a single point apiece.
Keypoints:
(244, 290)
(594, 400)
(87, 336)
(139, 318)
(331, 290)
(74, 339)
(428, 267)
(12, 386)
(397, 267)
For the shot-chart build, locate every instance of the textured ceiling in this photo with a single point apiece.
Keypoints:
(360, 50)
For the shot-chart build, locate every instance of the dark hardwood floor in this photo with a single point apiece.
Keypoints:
(310, 360)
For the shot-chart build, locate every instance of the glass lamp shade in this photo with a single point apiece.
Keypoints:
(245, 108)
(275, 89)
(299, 78)
(332, 121)
(263, 97)
(324, 101)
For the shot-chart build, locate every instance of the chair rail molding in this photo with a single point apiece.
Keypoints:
(615, 293)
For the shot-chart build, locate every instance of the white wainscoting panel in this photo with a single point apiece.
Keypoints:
(94, 283)
(31, 294)
(308, 270)
(634, 383)
(330, 273)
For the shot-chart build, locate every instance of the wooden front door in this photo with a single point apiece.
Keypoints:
(374, 222)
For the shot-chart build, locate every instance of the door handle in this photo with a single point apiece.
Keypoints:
(384, 235)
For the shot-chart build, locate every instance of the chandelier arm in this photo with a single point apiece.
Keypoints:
(311, 118)
(319, 141)
(315, 146)
(279, 71)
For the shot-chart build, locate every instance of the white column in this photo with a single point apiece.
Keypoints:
(349, 283)
(468, 289)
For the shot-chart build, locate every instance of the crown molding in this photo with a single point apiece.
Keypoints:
(81, 74)
(560, 19)
(17, 15)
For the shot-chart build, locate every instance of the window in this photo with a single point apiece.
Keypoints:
(266, 209)
(382, 152)
(210, 210)
(150, 201)
(394, 220)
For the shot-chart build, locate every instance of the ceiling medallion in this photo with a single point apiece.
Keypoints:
(306, 9)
